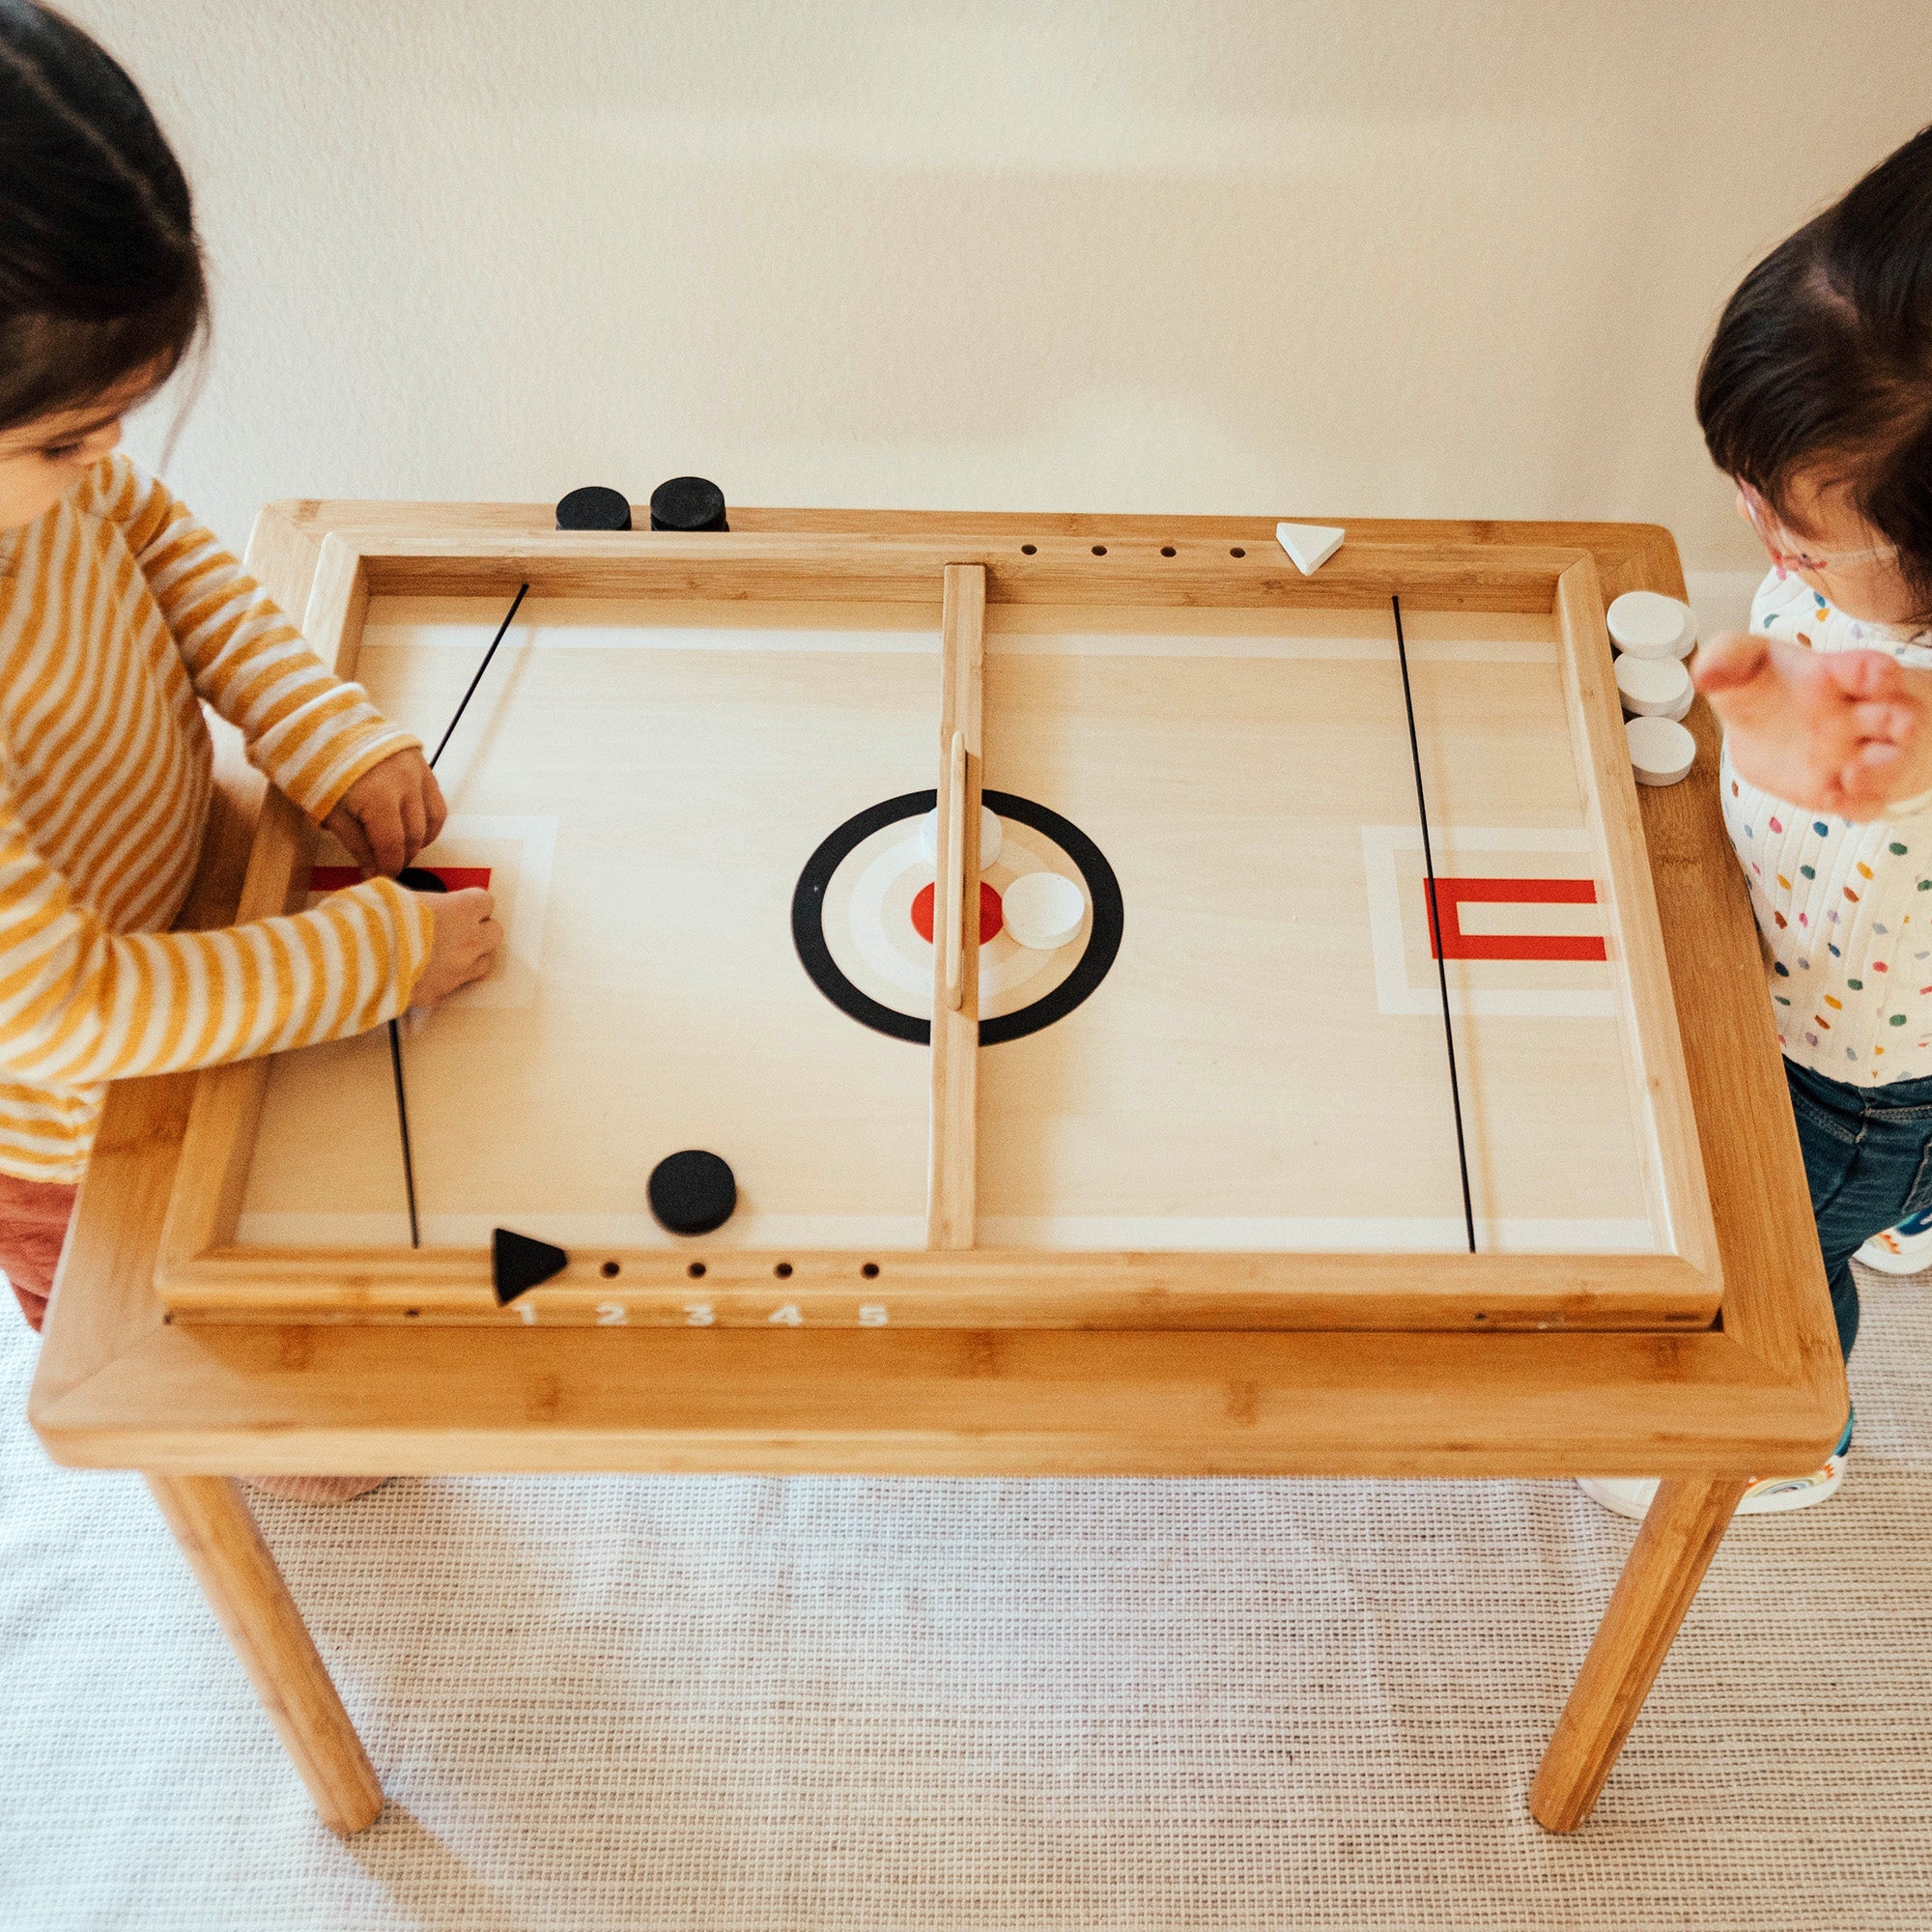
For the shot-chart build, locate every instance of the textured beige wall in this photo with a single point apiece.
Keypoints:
(1310, 257)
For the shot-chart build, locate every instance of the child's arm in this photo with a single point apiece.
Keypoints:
(1838, 731)
(79, 1002)
(318, 738)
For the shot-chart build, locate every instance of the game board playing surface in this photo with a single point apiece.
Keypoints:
(704, 837)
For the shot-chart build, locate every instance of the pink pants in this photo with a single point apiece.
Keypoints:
(34, 1215)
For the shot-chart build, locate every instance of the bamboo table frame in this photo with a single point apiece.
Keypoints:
(1761, 1393)
(209, 1270)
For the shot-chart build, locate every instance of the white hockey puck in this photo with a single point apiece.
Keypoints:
(1043, 910)
(991, 836)
(1661, 751)
(1654, 686)
(1647, 624)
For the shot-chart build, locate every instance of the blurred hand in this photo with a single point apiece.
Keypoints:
(1837, 732)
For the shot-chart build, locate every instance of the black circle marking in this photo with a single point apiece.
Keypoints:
(1103, 937)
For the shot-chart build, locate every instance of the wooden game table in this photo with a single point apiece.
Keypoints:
(1707, 1375)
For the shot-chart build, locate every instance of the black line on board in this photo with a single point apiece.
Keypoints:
(403, 1121)
(1436, 927)
(509, 618)
(395, 1034)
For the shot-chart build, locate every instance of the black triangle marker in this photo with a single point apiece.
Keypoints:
(519, 1264)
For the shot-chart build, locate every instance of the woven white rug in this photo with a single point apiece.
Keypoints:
(693, 1703)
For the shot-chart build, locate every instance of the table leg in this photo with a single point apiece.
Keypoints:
(1673, 1548)
(222, 1545)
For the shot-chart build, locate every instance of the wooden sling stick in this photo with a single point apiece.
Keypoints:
(952, 1156)
(953, 871)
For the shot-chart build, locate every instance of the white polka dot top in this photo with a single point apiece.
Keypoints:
(1845, 909)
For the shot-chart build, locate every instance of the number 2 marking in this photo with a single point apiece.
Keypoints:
(611, 1315)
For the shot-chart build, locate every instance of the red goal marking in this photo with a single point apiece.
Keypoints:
(334, 878)
(1449, 941)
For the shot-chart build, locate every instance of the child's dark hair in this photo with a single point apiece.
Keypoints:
(1822, 360)
(100, 271)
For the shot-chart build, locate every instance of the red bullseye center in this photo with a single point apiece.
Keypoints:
(992, 914)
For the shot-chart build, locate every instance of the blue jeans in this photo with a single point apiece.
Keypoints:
(1869, 1158)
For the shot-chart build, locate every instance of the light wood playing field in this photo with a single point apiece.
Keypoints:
(1263, 1067)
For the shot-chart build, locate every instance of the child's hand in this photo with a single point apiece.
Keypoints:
(1837, 732)
(466, 938)
(389, 814)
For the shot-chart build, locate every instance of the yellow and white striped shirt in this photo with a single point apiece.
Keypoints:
(119, 617)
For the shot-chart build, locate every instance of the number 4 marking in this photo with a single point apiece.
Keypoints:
(788, 1315)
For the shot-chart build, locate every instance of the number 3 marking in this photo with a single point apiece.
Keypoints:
(698, 1314)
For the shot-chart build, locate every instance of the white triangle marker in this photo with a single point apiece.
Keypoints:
(1310, 545)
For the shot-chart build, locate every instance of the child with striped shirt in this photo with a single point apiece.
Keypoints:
(1815, 398)
(120, 618)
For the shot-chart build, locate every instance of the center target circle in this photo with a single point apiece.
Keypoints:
(856, 921)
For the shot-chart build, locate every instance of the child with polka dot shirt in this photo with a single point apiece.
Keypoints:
(1845, 905)
(1815, 398)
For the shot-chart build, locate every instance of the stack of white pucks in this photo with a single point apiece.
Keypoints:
(1654, 635)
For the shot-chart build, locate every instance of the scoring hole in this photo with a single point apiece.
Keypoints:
(1029, 550)
(1167, 550)
(696, 1270)
(783, 1270)
(410, 1314)
(1237, 550)
(1482, 1318)
(1099, 550)
(609, 1270)
(871, 1270)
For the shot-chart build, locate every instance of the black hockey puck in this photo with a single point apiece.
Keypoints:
(692, 1192)
(688, 503)
(594, 508)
